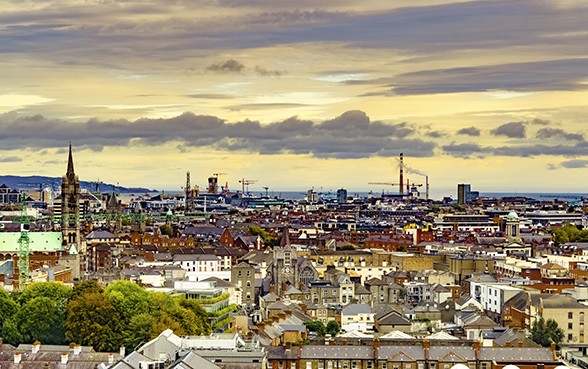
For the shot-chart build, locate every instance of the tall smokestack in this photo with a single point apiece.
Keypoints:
(427, 188)
(401, 182)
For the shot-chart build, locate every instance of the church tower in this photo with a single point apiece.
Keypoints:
(70, 206)
(284, 265)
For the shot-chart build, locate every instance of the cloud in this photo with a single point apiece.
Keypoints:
(551, 75)
(469, 131)
(10, 159)
(512, 130)
(540, 122)
(464, 150)
(268, 73)
(227, 66)
(351, 135)
(574, 164)
(546, 133)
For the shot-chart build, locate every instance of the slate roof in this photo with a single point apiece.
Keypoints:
(337, 352)
(535, 354)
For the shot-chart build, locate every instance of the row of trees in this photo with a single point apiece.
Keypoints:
(569, 233)
(121, 314)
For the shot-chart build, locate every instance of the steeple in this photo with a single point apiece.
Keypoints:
(70, 167)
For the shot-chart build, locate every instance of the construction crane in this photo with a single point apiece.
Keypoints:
(213, 183)
(245, 184)
(384, 183)
(24, 275)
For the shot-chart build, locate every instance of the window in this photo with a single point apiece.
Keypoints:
(329, 365)
(354, 365)
(570, 326)
(293, 365)
(280, 364)
(569, 336)
(369, 365)
(321, 365)
(345, 365)
(384, 365)
(484, 366)
(570, 315)
(308, 365)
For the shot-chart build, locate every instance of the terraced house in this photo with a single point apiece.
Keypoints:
(408, 354)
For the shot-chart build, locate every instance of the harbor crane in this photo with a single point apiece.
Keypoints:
(245, 184)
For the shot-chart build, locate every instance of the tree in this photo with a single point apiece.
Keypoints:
(166, 230)
(316, 326)
(544, 333)
(92, 320)
(39, 319)
(201, 316)
(89, 286)
(128, 298)
(57, 292)
(333, 328)
(7, 308)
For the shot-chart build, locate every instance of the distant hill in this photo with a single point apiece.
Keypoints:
(34, 182)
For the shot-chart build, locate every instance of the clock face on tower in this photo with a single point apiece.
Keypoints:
(286, 269)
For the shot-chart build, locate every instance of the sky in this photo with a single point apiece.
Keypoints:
(298, 94)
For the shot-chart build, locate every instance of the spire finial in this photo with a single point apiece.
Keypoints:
(70, 167)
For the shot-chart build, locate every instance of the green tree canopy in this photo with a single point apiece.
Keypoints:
(39, 319)
(333, 328)
(7, 308)
(89, 286)
(93, 320)
(569, 233)
(128, 298)
(57, 292)
(544, 333)
(316, 326)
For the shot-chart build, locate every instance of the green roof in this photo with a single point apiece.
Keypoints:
(39, 241)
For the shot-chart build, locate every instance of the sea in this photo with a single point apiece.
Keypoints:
(299, 195)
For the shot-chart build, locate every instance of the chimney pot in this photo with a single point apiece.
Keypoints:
(122, 351)
(17, 357)
(77, 349)
(110, 358)
(64, 358)
(36, 347)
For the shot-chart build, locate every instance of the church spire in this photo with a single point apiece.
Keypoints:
(70, 167)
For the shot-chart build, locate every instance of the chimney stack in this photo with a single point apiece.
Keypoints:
(476, 346)
(426, 347)
(77, 349)
(35, 347)
(122, 351)
(17, 357)
(376, 346)
(64, 358)
(110, 358)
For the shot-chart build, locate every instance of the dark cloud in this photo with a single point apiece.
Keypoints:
(469, 131)
(540, 122)
(436, 134)
(522, 77)
(512, 130)
(227, 66)
(464, 150)
(10, 159)
(525, 151)
(268, 73)
(351, 135)
(574, 164)
(546, 133)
